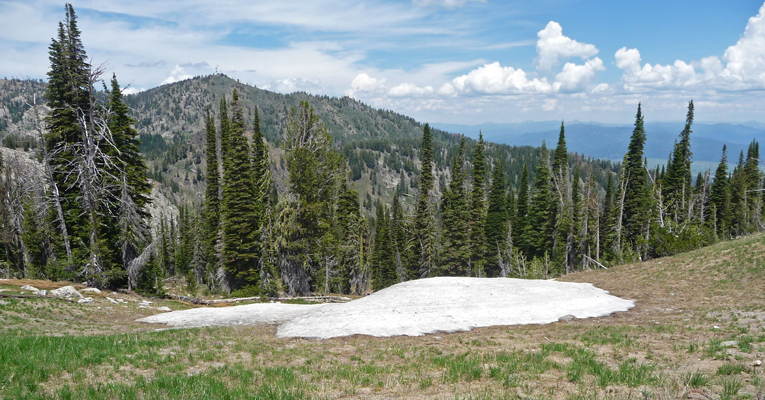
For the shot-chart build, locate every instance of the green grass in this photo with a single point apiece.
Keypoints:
(695, 380)
(731, 369)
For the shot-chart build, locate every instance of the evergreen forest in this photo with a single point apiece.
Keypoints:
(251, 193)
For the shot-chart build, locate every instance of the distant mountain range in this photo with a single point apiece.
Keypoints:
(610, 142)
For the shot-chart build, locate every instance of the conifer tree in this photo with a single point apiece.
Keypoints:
(562, 214)
(605, 217)
(510, 203)
(127, 182)
(239, 215)
(67, 97)
(634, 178)
(306, 215)
(520, 222)
(424, 219)
(212, 201)
(677, 182)
(478, 210)
(538, 235)
(495, 225)
(456, 253)
(383, 255)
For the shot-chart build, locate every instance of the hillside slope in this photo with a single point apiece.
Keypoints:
(697, 332)
(381, 146)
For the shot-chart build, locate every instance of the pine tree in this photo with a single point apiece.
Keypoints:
(307, 214)
(456, 253)
(635, 213)
(67, 97)
(424, 219)
(677, 183)
(510, 203)
(495, 225)
(478, 210)
(383, 256)
(562, 214)
(539, 232)
(605, 218)
(212, 201)
(239, 215)
(560, 159)
(520, 222)
(128, 183)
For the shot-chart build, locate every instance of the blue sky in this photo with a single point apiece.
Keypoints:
(451, 61)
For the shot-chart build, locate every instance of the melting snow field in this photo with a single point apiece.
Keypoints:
(417, 308)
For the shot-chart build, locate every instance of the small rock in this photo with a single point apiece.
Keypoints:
(715, 327)
(111, 300)
(730, 343)
(41, 292)
(164, 308)
(90, 290)
(145, 302)
(567, 318)
(66, 292)
(757, 363)
(122, 301)
(30, 288)
(3, 302)
(85, 300)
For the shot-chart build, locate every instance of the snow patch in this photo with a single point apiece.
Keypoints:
(414, 308)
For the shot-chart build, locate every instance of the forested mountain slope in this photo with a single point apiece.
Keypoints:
(381, 146)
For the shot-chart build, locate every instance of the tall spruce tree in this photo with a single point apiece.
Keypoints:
(605, 218)
(212, 201)
(635, 181)
(128, 185)
(456, 252)
(478, 210)
(677, 182)
(239, 215)
(495, 225)
(67, 95)
(539, 232)
(424, 218)
(562, 213)
(719, 198)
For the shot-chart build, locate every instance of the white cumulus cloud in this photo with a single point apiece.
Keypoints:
(574, 77)
(408, 89)
(495, 79)
(131, 90)
(365, 83)
(743, 67)
(746, 59)
(552, 47)
(178, 74)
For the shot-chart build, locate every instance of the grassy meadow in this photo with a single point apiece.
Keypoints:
(697, 332)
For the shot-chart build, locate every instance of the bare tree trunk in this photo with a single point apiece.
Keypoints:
(56, 196)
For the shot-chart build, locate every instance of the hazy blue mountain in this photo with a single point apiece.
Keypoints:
(609, 141)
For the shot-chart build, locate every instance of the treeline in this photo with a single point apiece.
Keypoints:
(559, 222)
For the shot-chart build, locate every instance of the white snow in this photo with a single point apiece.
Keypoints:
(250, 314)
(418, 307)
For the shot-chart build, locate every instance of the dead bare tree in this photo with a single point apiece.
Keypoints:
(55, 195)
